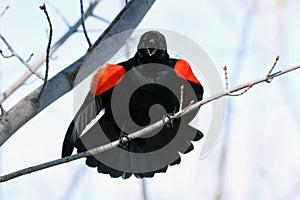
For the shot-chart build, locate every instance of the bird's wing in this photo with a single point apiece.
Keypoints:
(87, 112)
(184, 70)
(104, 79)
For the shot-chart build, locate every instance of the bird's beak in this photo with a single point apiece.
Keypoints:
(151, 51)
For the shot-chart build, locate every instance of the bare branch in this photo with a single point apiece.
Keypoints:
(43, 8)
(90, 30)
(42, 59)
(249, 86)
(227, 83)
(4, 11)
(239, 59)
(272, 68)
(226, 77)
(15, 54)
(5, 56)
(240, 93)
(127, 20)
(101, 18)
(29, 58)
(181, 97)
(144, 189)
(83, 24)
(144, 131)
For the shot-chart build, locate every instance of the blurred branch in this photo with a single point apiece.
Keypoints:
(15, 54)
(59, 13)
(53, 49)
(74, 183)
(239, 59)
(101, 18)
(63, 82)
(145, 130)
(4, 11)
(144, 189)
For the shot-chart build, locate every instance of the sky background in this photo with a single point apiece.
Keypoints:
(260, 140)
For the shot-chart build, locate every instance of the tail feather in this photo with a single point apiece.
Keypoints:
(199, 135)
(132, 164)
(86, 113)
(69, 141)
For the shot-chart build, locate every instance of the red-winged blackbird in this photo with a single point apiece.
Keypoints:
(155, 81)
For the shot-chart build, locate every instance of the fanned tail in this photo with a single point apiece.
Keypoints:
(69, 141)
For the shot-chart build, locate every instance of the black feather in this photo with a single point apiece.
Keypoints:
(151, 52)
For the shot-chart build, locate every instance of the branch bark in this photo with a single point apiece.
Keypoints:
(147, 129)
(128, 19)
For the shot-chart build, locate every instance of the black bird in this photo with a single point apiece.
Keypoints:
(134, 94)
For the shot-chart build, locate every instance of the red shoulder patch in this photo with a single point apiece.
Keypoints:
(183, 70)
(106, 78)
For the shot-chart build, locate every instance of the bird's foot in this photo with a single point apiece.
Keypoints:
(170, 123)
(122, 140)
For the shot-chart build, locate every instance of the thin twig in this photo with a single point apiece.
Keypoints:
(90, 30)
(15, 54)
(186, 108)
(54, 48)
(272, 68)
(226, 77)
(101, 18)
(4, 11)
(181, 97)
(144, 131)
(31, 55)
(227, 84)
(144, 189)
(43, 8)
(5, 56)
(240, 93)
(67, 79)
(83, 24)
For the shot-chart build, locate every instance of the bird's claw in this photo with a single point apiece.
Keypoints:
(122, 143)
(170, 123)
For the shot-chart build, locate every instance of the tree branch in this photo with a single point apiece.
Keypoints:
(15, 54)
(54, 48)
(3, 112)
(83, 24)
(101, 18)
(66, 80)
(238, 63)
(145, 130)
(4, 11)
(43, 8)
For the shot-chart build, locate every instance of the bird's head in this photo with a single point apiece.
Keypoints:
(152, 48)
